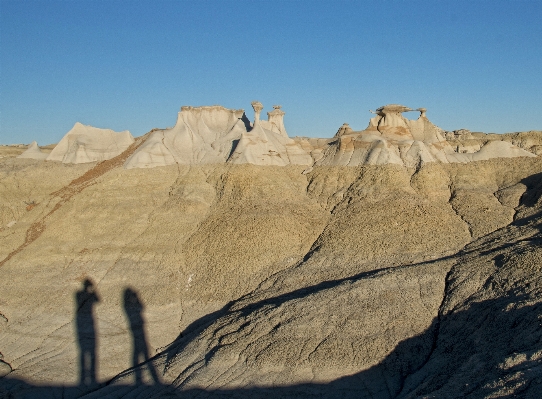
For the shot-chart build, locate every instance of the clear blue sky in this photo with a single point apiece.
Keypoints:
(132, 64)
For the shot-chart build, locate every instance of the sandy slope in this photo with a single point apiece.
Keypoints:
(266, 281)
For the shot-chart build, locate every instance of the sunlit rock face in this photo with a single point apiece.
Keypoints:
(214, 134)
(390, 122)
(83, 144)
(275, 121)
(33, 152)
(267, 143)
(202, 135)
(391, 138)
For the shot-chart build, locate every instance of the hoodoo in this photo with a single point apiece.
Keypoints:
(275, 121)
(267, 143)
(344, 129)
(215, 134)
(210, 135)
(391, 138)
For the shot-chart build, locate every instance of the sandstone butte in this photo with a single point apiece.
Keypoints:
(222, 258)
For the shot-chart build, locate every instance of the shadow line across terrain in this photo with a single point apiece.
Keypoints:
(428, 356)
(388, 379)
(384, 380)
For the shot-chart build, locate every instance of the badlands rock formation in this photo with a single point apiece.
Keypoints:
(211, 135)
(33, 152)
(275, 120)
(84, 144)
(214, 135)
(391, 138)
(202, 135)
(241, 280)
(267, 143)
(464, 141)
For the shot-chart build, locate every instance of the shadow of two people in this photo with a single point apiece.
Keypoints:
(85, 300)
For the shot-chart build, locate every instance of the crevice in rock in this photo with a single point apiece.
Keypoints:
(435, 327)
(458, 214)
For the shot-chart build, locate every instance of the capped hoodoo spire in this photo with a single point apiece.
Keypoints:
(257, 107)
(276, 120)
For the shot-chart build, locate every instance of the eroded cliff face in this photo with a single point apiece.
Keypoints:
(391, 138)
(218, 135)
(378, 281)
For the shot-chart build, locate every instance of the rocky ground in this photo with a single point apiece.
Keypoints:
(262, 281)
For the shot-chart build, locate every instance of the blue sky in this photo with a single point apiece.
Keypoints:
(130, 65)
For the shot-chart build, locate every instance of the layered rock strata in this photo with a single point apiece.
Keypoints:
(214, 134)
(391, 138)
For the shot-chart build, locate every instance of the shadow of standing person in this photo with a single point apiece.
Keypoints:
(85, 300)
(140, 353)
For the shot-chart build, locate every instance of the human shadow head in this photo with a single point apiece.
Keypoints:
(131, 301)
(88, 285)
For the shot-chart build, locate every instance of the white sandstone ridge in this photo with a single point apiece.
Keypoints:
(391, 138)
(215, 134)
(84, 144)
(202, 135)
(33, 152)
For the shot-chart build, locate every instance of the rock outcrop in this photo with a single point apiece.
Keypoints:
(391, 138)
(201, 135)
(33, 152)
(210, 135)
(465, 141)
(275, 121)
(267, 143)
(83, 144)
(214, 134)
